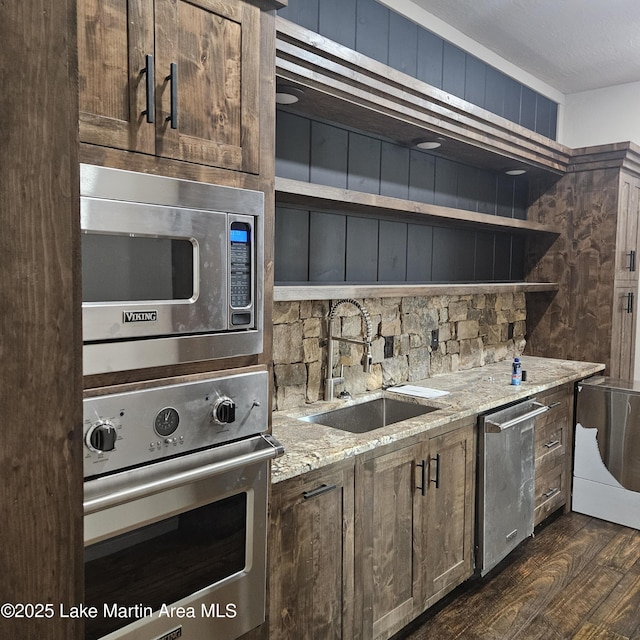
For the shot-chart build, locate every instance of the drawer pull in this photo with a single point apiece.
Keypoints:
(551, 492)
(323, 488)
(553, 405)
(552, 443)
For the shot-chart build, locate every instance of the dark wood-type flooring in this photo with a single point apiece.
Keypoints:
(578, 577)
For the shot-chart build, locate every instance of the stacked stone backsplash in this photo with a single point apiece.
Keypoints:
(473, 330)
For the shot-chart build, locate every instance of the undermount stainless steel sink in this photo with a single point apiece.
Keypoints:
(367, 416)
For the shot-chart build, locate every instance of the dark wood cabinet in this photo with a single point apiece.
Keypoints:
(311, 555)
(594, 262)
(414, 528)
(553, 446)
(448, 530)
(175, 79)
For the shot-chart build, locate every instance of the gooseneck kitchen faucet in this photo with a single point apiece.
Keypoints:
(330, 380)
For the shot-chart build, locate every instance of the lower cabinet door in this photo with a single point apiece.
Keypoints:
(388, 503)
(311, 556)
(448, 527)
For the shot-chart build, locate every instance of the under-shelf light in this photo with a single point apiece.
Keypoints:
(288, 94)
(427, 145)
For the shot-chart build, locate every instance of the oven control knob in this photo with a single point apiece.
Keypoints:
(224, 411)
(102, 437)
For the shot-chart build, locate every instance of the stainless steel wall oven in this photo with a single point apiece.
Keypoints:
(172, 270)
(176, 485)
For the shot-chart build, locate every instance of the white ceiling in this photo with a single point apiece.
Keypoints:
(572, 45)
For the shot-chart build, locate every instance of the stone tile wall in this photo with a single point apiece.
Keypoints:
(473, 330)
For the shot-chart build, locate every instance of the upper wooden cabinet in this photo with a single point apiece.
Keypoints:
(172, 78)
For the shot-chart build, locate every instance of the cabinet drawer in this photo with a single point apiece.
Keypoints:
(551, 489)
(551, 438)
(559, 406)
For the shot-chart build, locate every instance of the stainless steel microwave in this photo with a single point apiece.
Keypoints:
(172, 270)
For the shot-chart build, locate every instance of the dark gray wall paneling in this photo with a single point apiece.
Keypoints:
(422, 177)
(291, 245)
(419, 253)
(329, 150)
(327, 246)
(362, 249)
(386, 36)
(318, 246)
(403, 44)
(394, 171)
(293, 146)
(429, 64)
(484, 256)
(528, 108)
(453, 69)
(364, 164)
(453, 255)
(392, 252)
(337, 20)
(446, 183)
(372, 30)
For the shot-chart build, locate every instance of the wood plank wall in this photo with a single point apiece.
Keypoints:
(374, 30)
(41, 398)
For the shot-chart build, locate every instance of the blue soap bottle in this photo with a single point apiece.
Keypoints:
(516, 372)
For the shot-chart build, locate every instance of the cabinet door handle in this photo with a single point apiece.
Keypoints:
(173, 79)
(323, 488)
(629, 308)
(551, 492)
(632, 260)
(423, 487)
(552, 443)
(436, 480)
(150, 84)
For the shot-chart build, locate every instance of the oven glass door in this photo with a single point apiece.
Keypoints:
(164, 562)
(192, 557)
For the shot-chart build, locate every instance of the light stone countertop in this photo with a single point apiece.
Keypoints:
(310, 446)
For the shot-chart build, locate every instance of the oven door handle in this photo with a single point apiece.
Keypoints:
(138, 483)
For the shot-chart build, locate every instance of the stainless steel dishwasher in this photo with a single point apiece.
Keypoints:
(506, 481)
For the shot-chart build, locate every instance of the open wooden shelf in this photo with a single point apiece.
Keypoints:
(310, 291)
(308, 195)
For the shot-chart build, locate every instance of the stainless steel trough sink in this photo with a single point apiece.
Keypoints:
(367, 416)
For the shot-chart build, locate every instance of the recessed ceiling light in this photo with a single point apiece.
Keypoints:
(287, 94)
(515, 172)
(428, 144)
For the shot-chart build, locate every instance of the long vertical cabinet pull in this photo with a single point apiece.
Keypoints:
(629, 308)
(173, 79)
(436, 480)
(150, 84)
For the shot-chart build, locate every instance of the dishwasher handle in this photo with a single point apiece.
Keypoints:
(491, 426)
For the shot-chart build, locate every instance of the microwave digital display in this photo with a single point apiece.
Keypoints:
(239, 235)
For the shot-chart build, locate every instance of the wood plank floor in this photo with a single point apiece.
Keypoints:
(578, 578)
